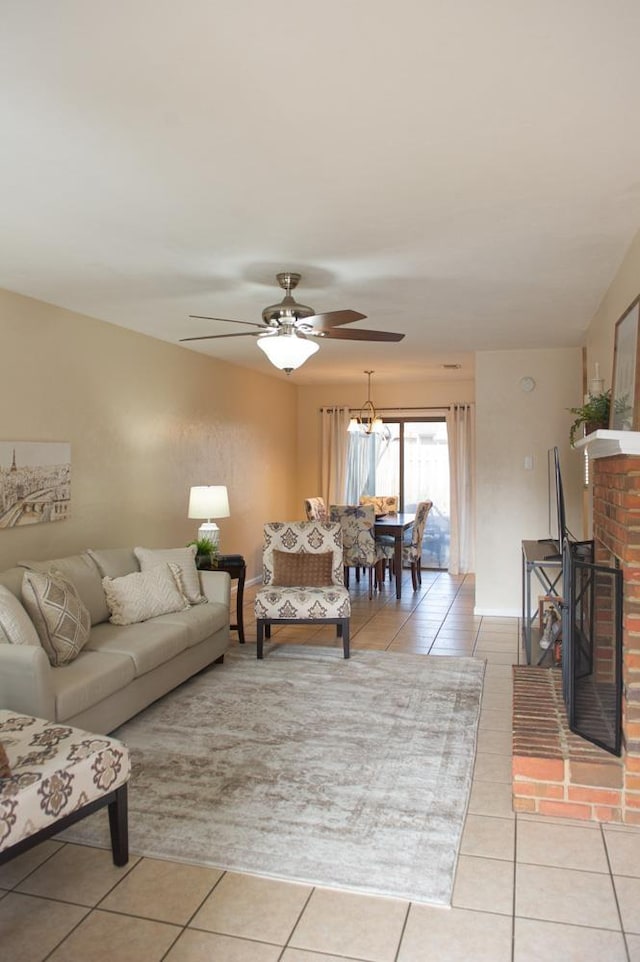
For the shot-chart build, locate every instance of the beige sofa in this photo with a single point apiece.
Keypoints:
(121, 669)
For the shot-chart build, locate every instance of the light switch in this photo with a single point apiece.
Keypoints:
(528, 463)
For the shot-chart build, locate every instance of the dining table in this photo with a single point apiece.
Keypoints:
(395, 525)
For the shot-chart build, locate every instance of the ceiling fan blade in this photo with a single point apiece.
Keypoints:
(214, 337)
(358, 334)
(333, 318)
(227, 320)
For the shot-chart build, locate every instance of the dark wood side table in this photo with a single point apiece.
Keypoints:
(236, 568)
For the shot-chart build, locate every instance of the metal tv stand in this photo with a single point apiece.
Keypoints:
(541, 559)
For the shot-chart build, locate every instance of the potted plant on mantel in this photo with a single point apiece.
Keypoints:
(594, 414)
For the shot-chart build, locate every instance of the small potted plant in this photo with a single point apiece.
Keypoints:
(594, 414)
(206, 553)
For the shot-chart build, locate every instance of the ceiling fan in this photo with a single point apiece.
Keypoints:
(288, 330)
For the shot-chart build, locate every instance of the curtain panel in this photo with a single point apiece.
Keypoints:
(333, 460)
(462, 461)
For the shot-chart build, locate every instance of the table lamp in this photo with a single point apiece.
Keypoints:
(209, 501)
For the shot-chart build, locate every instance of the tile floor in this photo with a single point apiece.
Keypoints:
(526, 888)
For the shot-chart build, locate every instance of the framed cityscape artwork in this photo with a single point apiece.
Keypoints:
(35, 482)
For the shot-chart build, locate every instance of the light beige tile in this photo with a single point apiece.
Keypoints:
(255, 908)
(565, 895)
(348, 924)
(500, 657)
(624, 852)
(166, 891)
(456, 935)
(499, 642)
(633, 944)
(193, 946)
(491, 798)
(563, 846)
(30, 928)
(76, 873)
(628, 892)
(450, 652)
(488, 837)
(495, 720)
(500, 700)
(495, 743)
(21, 866)
(300, 955)
(535, 941)
(493, 768)
(105, 937)
(484, 884)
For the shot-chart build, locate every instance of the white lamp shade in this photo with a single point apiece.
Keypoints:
(209, 501)
(287, 351)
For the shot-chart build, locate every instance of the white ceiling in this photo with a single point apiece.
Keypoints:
(467, 173)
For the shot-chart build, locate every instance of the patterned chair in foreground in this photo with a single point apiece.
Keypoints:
(412, 552)
(303, 579)
(52, 775)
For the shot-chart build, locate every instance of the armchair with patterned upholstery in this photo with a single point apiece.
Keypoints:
(412, 552)
(361, 549)
(303, 579)
(315, 509)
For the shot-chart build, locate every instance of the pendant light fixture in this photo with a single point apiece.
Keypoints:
(368, 421)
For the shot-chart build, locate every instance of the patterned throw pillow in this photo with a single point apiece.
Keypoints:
(144, 594)
(184, 558)
(61, 620)
(14, 621)
(5, 770)
(302, 569)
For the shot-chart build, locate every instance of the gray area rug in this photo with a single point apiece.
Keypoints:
(348, 774)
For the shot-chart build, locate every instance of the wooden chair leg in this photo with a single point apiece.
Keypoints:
(370, 583)
(414, 576)
(345, 637)
(260, 637)
(119, 826)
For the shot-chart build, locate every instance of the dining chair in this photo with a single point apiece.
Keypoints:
(412, 551)
(315, 509)
(360, 549)
(384, 504)
(303, 579)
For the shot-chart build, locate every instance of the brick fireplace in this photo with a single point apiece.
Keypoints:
(555, 772)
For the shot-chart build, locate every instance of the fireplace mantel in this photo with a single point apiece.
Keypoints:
(606, 444)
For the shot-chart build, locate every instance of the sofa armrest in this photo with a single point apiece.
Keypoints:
(216, 586)
(25, 685)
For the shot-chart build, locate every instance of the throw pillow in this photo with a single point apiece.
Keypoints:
(61, 620)
(143, 595)
(302, 570)
(5, 770)
(184, 558)
(14, 621)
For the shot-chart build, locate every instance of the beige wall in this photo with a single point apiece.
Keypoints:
(624, 288)
(146, 420)
(512, 502)
(312, 398)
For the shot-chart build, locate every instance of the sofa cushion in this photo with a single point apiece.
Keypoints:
(114, 562)
(148, 644)
(185, 558)
(201, 621)
(88, 680)
(82, 571)
(15, 623)
(143, 595)
(60, 618)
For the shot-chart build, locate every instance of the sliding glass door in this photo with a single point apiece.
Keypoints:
(412, 462)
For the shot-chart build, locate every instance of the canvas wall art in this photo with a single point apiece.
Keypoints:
(35, 482)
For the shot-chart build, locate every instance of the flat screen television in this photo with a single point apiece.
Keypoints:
(557, 518)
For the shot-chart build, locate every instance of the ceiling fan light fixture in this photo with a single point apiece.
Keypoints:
(287, 351)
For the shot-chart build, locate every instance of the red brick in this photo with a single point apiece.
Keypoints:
(594, 796)
(600, 774)
(538, 789)
(632, 818)
(524, 804)
(603, 814)
(540, 769)
(565, 809)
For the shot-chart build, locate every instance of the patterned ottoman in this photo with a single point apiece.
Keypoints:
(51, 776)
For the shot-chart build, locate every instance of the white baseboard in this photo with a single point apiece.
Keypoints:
(498, 612)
